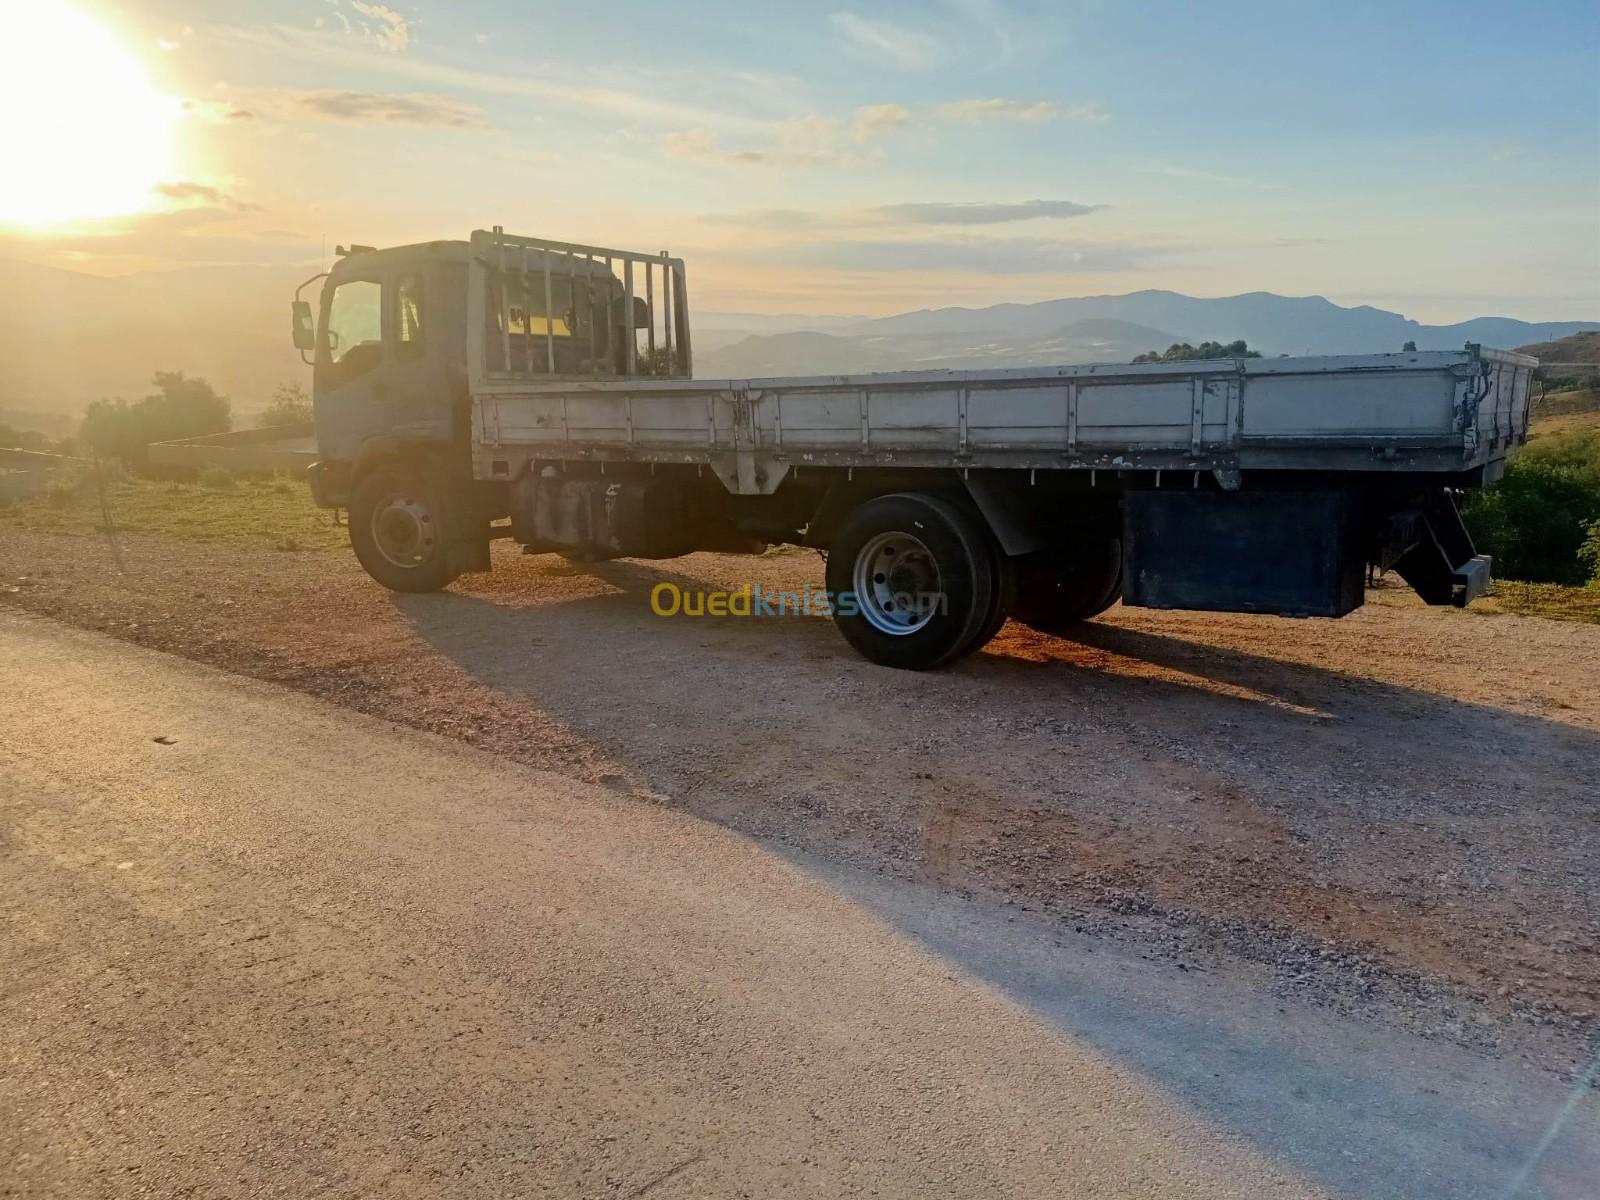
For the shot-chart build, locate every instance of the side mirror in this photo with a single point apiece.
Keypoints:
(641, 314)
(305, 327)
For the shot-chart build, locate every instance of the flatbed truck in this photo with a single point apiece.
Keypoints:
(507, 386)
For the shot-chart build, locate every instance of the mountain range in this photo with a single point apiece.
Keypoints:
(67, 338)
(1109, 329)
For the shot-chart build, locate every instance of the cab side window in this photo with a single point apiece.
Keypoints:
(409, 328)
(352, 341)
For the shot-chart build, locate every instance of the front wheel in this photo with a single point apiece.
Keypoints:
(399, 527)
(911, 580)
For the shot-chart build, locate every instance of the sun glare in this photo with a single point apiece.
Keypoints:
(84, 133)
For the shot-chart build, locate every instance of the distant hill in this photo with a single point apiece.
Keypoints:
(1576, 348)
(1274, 324)
(806, 353)
(1109, 329)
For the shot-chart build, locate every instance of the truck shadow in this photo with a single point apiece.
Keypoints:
(1122, 764)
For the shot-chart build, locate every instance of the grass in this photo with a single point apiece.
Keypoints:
(1564, 412)
(274, 512)
(1505, 597)
(1567, 422)
(1551, 600)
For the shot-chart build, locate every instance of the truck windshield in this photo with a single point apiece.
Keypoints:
(353, 335)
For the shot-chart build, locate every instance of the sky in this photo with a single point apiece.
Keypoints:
(1442, 160)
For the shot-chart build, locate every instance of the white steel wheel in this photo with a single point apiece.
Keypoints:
(897, 583)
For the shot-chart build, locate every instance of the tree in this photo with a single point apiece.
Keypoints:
(1589, 552)
(1410, 345)
(1184, 352)
(180, 407)
(1537, 522)
(289, 406)
(26, 439)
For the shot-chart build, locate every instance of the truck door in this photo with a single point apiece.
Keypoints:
(377, 373)
(412, 389)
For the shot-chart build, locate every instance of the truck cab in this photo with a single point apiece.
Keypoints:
(387, 340)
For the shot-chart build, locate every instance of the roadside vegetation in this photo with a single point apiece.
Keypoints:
(180, 407)
(212, 505)
(272, 512)
(1541, 522)
(1552, 600)
(289, 406)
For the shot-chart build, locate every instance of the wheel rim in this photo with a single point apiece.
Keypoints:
(403, 530)
(896, 580)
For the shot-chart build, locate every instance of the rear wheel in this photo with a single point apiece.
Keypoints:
(1003, 571)
(912, 580)
(399, 527)
(1065, 586)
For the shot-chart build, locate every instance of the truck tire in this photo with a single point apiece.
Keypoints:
(912, 580)
(1004, 573)
(1066, 586)
(399, 527)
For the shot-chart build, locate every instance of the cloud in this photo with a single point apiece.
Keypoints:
(875, 120)
(972, 255)
(216, 110)
(1028, 112)
(185, 190)
(391, 31)
(984, 213)
(366, 108)
(1177, 171)
(697, 145)
(809, 141)
(909, 213)
(989, 18)
(884, 39)
(564, 87)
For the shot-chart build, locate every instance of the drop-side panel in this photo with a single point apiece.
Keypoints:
(1354, 403)
(1442, 411)
(1027, 417)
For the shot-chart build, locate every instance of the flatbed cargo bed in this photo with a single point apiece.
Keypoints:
(1451, 412)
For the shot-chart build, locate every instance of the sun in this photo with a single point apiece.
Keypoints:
(84, 133)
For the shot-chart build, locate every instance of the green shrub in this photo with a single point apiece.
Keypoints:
(180, 407)
(218, 479)
(1589, 553)
(1535, 521)
(66, 487)
(289, 406)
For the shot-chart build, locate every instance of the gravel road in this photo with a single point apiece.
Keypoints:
(1393, 814)
(259, 945)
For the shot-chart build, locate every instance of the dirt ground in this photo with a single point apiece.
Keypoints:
(1398, 812)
